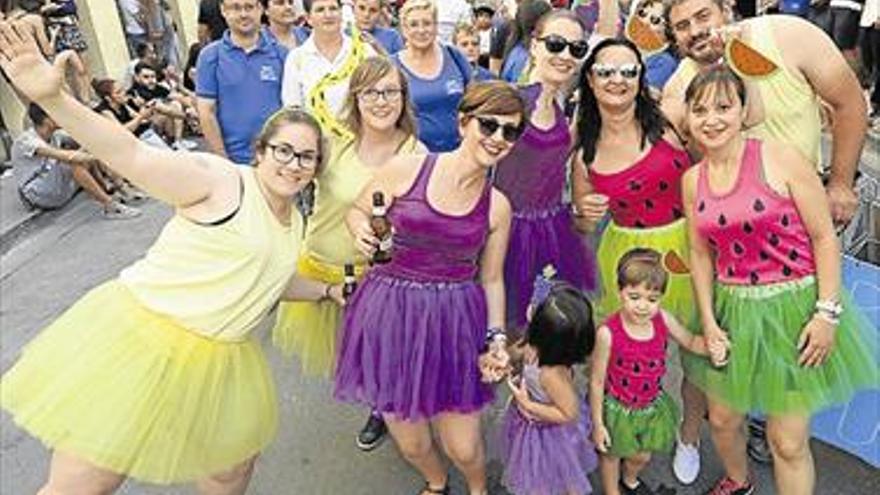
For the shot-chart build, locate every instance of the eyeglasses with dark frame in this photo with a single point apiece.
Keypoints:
(556, 44)
(489, 126)
(390, 95)
(285, 154)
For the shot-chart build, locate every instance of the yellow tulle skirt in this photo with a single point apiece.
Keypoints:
(671, 241)
(133, 392)
(308, 329)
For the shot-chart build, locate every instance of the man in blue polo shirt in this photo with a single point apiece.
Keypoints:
(366, 15)
(238, 81)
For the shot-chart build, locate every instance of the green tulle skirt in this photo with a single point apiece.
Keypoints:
(763, 375)
(649, 429)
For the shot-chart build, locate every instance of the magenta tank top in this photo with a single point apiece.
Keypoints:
(635, 367)
(532, 175)
(431, 246)
(755, 233)
(647, 193)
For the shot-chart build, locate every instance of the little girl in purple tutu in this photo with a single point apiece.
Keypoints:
(632, 414)
(546, 429)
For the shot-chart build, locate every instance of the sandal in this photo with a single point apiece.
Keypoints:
(436, 491)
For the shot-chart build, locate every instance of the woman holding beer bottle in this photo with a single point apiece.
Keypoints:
(421, 328)
(629, 162)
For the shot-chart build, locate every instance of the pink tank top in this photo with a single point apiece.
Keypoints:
(647, 193)
(635, 367)
(755, 233)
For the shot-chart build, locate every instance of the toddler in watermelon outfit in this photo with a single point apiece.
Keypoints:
(632, 415)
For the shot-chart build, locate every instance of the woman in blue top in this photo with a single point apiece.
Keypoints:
(516, 54)
(437, 76)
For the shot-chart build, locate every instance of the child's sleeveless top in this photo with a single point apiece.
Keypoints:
(635, 367)
(648, 193)
(431, 246)
(756, 234)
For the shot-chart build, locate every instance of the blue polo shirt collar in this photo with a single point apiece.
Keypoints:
(263, 43)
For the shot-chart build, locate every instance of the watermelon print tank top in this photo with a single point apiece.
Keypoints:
(636, 367)
(755, 233)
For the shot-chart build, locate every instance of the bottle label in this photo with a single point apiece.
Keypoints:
(385, 244)
(378, 211)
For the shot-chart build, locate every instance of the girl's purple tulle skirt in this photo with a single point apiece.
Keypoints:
(410, 349)
(543, 458)
(536, 240)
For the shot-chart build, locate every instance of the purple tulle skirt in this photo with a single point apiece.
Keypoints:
(410, 349)
(543, 458)
(536, 240)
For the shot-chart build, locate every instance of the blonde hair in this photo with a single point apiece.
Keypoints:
(463, 29)
(368, 73)
(413, 5)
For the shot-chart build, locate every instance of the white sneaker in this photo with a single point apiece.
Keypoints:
(185, 145)
(115, 210)
(686, 462)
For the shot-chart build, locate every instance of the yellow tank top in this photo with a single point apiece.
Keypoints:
(327, 238)
(791, 108)
(219, 281)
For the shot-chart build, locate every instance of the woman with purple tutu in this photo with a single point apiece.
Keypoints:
(533, 176)
(546, 443)
(422, 331)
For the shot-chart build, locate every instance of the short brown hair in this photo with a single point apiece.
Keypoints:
(720, 77)
(492, 97)
(642, 266)
(367, 74)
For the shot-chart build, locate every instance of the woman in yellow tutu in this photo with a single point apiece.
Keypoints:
(154, 375)
(380, 118)
(629, 162)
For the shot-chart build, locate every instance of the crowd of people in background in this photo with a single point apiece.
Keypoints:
(495, 136)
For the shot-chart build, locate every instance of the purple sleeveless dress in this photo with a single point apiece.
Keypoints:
(541, 457)
(542, 232)
(413, 330)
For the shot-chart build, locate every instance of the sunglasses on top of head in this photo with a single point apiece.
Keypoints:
(606, 71)
(489, 126)
(556, 44)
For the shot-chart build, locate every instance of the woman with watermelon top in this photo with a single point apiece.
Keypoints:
(533, 175)
(766, 268)
(628, 162)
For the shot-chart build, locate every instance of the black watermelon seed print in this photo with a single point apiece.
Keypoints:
(649, 204)
(652, 364)
(722, 220)
(753, 278)
(645, 387)
(659, 378)
(677, 163)
(738, 248)
(640, 224)
(701, 206)
(786, 270)
(793, 255)
(619, 362)
(763, 255)
(784, 220)
(730, 272)
(774, 240)
(621, 203)
(712, 242)
(637, 368)
(634, 186)
(758, 206)
(663, 185)
(624, 382)
(676, 213)
(747, 228)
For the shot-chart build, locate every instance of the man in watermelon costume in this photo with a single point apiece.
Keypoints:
(791, 64)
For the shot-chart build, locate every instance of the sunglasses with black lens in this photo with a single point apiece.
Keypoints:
(626, 71)
(489, 126)
(556, 44)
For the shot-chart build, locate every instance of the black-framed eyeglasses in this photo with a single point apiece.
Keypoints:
(626, 71)
(556, 44)
(489, 126)
(390, 95)
(656, 20)
(285, 154)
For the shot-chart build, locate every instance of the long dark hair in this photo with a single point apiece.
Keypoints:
(528, 14)
(589, 122)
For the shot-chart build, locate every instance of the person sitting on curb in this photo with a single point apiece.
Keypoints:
(48, 176)
(169, 111)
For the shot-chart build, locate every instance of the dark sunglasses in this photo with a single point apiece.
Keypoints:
(626, 71)
(555, 44)
(656, 20)
(489, 126)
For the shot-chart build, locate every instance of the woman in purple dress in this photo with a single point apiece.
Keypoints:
(533, 175)
(421, 328)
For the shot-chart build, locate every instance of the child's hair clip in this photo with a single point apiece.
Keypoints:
(543, 285)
